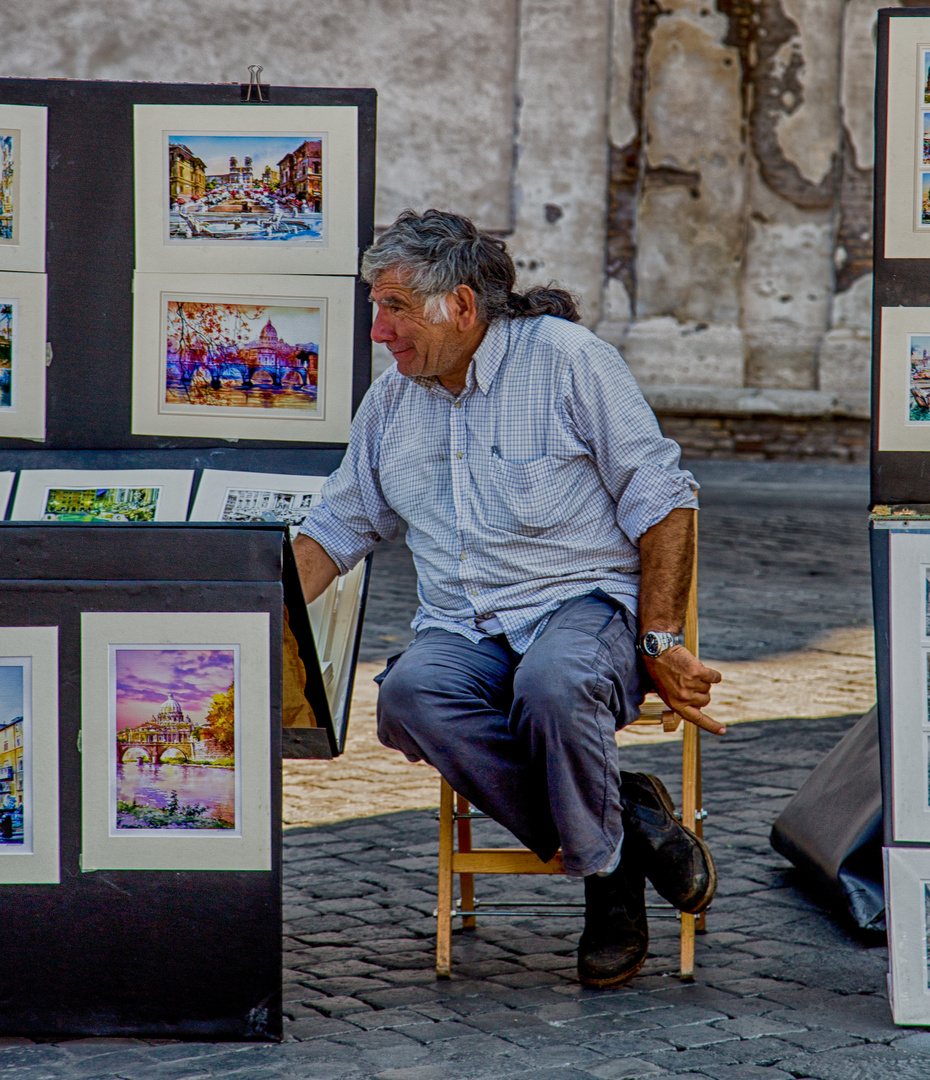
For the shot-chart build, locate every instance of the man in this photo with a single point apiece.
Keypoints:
(543, 509)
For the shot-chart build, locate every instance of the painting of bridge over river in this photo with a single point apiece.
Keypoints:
(241, 356)
(174, 739)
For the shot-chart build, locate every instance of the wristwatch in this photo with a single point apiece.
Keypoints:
(656, 642)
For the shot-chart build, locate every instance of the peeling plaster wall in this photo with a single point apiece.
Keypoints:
(443, 70)
(697, 171)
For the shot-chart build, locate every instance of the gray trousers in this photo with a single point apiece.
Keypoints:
(527, 739)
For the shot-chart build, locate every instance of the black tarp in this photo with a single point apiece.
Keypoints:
(832, 828)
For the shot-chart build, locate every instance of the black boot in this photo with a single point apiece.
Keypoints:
(616, 936)
(677, 862)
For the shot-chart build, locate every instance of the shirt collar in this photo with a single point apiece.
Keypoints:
(490, 353)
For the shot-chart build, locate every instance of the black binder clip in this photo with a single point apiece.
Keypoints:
(255, 90)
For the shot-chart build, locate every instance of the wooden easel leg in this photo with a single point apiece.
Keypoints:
(444, 897)
(466, 881)
(690, 789)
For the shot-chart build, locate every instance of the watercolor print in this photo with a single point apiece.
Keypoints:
(9, 174)
(925, 81)
(291, 507)
(242, 189)
(175, 734)
(101, 504)
(15, 730)
(254, 356)
(8, 328)
(919, 378)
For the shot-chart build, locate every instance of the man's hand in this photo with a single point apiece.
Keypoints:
(684, 683)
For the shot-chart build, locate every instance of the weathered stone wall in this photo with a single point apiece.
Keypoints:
(697, 171)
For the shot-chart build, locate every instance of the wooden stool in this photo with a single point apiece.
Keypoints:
(456, 816)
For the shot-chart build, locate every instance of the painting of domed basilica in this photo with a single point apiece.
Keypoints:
(174, 749)
(241, 356)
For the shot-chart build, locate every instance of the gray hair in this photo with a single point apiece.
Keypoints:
(437, 251)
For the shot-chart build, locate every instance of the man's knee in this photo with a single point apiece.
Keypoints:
(401, 705)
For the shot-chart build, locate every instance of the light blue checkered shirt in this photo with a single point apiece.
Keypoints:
(532, 486)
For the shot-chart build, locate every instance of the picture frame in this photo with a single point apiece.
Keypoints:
(907, 166)
(23, 171)
(247, 496)
(189, 788)
(909, 612)
(235, 189)
(116, 495)
(29, 796)
(907, 910)
(212, 357)
(22, 355)
(903, 422)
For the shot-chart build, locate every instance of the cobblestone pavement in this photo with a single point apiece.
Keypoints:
(781, 990)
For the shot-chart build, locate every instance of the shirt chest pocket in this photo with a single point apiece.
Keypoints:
(528, 496)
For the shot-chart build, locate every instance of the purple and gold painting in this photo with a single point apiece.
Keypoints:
(175, 737)
(241, 356)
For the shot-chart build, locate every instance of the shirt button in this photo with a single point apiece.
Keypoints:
(463, 556)
(459, 454)
(458, 405)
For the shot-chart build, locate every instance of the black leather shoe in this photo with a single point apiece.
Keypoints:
(678, 863)
(616, 936)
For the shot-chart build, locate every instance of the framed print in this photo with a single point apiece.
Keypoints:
(907, 166)
(242, 357)
(909, 590)
(22, 355)
(244, 496)
(903, 408)
(29, 755)
(175, 741)
(234, 189)
(23, 151)
(907, 906)
(117, 495)
(6, 486)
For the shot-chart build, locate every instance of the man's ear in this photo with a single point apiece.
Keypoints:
(463, 307)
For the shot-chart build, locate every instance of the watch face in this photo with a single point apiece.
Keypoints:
(651, 643)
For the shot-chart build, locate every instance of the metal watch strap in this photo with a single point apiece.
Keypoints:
(655, 642)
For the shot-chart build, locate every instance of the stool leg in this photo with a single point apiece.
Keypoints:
(444, 899)
(690, 756)
(466, 881)
(701, 922)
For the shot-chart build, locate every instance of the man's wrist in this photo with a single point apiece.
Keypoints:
(653, 643)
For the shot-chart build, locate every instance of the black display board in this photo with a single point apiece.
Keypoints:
(897, 476)
(149, 953)
(90, 260)
(90, 257)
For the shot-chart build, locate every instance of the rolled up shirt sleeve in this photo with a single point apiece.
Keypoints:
(354, 516)
(636, 463)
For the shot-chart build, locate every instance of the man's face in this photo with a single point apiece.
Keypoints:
(419, 346)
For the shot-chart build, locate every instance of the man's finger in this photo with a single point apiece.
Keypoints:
(711, 675)
(701, 720)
